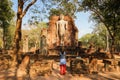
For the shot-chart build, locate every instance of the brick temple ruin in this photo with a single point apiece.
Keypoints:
(71, 36)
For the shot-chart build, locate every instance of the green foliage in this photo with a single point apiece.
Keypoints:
(97, 37)
(98, 41)
(66, 7)
(101, 30)
(6, 15)
(107, 12)
(34, 34)
(41, 25)
(86, 39)
(6, 12)
(56, 12)
(40, 9)
(10, 35)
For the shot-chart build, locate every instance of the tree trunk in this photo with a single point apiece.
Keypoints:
(113, 45)
(3, 45)
(17, 40)
(17, 37)
(107, 41)
(3, 37)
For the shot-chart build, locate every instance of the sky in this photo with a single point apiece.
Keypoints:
(82, 21)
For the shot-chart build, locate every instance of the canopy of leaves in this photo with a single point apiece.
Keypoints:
(100, 35)
(95, 39)
(106, 11)
(6, 12)
(39, 10)
(6, 15)
(66, 7)
(86, 39)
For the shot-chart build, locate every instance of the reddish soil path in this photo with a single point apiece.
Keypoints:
(9, 75)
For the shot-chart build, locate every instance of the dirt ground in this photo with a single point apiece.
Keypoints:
(10, 75)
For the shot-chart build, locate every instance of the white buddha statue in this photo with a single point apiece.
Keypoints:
(61, 29)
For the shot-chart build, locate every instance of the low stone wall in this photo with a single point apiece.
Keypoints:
(40, 68)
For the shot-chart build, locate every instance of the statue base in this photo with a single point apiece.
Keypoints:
(66, 48)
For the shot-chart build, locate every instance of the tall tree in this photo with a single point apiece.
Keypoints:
(6, 14)
(101, 36)
(20, 14)
(107, 12)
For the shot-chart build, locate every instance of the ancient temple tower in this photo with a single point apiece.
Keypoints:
(71, 36)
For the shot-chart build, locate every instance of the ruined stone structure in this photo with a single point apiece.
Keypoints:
(71, 36)
(52, 41)
(43, 41)
(25, 43)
